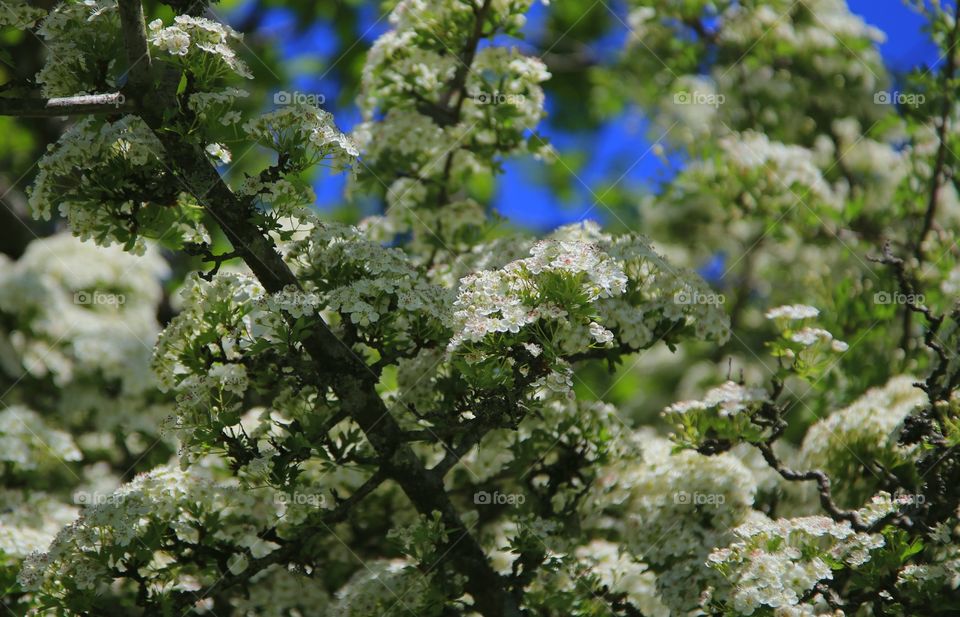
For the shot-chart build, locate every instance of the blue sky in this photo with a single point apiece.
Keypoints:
(614, 150)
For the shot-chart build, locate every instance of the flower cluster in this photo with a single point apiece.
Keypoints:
(792, 167)
(278, 592)
(874, 165)
(233, 343)
(286, 199)
(22, 531)
(726, 415)
(791, 312)
(396, 66)
(926, 584)
(672, 509)
(619, 572)
(457, 226)
(445, 22)
(82, 319)
(439, 110)
(866, 430)
(542, 300)
(418, 379)
(28, 443)
(586, 579)
(592, 432)
(741, 43)
(580, 290)
(18, 14)
(723, 417)
(203, 354)
(777, 563)
(758, 174)
(303, 135)
(376, 290)
(559, 279)
(662, 302)
(164, 510)
(83, 37)
(390, 588)
(803, 349)
(217, 105)
(504, 98)
(408, 152)
(199, 45)
(126, 194)
(216, 315)
(81, 310)
(825, 36)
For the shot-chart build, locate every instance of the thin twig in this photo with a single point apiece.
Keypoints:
(823, 484)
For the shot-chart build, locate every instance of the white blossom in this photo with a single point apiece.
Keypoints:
(190, 38)
(730, 398)
(218, 152)
(793, 312)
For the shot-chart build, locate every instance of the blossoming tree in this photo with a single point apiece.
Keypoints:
(414, 415)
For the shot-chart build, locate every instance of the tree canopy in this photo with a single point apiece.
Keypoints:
(734, 395)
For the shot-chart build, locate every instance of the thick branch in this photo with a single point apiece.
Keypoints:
(350, 378)
(135, 43)
(84, 105)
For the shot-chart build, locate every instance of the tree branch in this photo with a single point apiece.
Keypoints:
(457, 86)
(83, 105)
(823, 484)
(454, 454)
(350, 378)
(905, 282)
(135, 42)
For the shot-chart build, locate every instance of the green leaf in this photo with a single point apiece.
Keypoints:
(182, 86)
